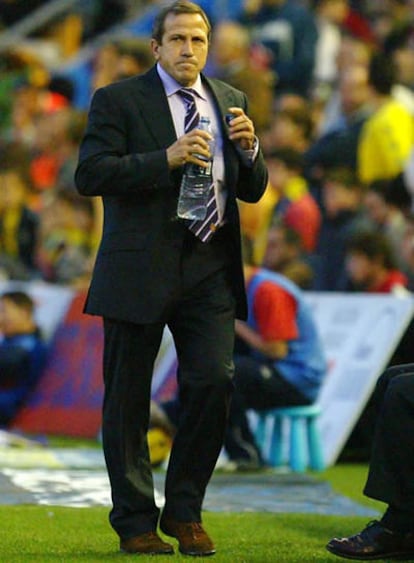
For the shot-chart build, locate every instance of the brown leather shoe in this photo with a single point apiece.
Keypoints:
(191, 536)
(149, 542)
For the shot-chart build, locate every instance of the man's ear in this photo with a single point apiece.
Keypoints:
(155, 49)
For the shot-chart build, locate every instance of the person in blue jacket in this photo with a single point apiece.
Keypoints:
(279, 359)
(22, 352)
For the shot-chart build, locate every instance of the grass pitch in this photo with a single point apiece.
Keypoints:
(48, 533)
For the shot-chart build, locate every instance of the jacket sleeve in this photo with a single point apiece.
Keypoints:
(105, 167)
(252, 178)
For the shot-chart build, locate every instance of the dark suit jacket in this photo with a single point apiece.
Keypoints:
(123, 159)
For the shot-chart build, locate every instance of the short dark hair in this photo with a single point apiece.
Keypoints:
(291, 236)
(343, 175)
(374, 246)
(291, 158)
(383, 189)
(19, 298)
(178, 7)
(382, 73)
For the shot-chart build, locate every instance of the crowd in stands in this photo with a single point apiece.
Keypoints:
(331, 90)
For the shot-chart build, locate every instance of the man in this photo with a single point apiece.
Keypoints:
(371, 265)
(22, 352)
(390, 477)
(232, 62)
(151, 270)
(284, 254)
(342, 197)
(386, 138)
(288, 31)
(279, 359)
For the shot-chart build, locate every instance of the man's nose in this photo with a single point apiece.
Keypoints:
(188, 47)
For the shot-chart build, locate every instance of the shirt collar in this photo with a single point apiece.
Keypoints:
(171, 86)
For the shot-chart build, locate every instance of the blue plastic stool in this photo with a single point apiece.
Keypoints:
(304, 440)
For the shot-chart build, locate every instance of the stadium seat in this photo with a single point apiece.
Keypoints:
(299, 424)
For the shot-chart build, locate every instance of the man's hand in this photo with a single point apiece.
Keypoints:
(241, 129)
(186, 148)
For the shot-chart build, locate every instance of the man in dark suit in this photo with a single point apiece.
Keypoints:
(391, 474)
(152, 271)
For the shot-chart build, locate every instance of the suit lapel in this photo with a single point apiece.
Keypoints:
(224, 99)
(154, 108)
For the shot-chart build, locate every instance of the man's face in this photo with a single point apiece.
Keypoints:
(184, 47)
(359, 269)
(12, 317)
(276, 250)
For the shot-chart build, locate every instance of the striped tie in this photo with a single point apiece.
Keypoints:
(192, 117)
(205, 228)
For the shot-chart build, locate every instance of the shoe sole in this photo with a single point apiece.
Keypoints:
(197, 553)
(396, 556)
(146, 552)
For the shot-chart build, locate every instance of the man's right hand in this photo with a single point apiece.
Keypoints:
(186, 148)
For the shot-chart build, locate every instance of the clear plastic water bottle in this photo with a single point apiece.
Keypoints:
(196, 182)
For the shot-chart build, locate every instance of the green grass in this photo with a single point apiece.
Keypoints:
(39, 533)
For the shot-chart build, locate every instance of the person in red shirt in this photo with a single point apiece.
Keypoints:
(371, 265)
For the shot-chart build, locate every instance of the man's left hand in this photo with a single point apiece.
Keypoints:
(241, 129)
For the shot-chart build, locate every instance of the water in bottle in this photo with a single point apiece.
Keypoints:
(196, 182)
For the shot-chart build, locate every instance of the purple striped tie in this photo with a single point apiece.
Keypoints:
(205, 228)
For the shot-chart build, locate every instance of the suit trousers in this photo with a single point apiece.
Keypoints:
(391, 473)
(200, 316)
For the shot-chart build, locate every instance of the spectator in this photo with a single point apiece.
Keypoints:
(295, 205)
(135, 57)
(22, 352)
(67, 245)
(343, 215)
(407, 251)
(339, 145)
(289, 128)
(279, 359)
(353, 54)
(385, 214)
(284, 255)
(330, 15)
(387, 136)
(371, 265)
(231, 60)
(289, 32)
(18, 224)
(55, 150)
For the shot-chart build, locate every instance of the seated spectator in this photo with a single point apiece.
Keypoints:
(330, 16)
(289, 129)
(295, 205)
(371, 266)
(22, 352)
(407, 251)
(343, 215)
(353, 54)
(339, 145)
(67, 241)
(18, 224)
(231, 62)
(135, 57)
(284, 254)
(55, 150)
(279, 360)
(383, 210)
(387, 136)
(288, 30)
